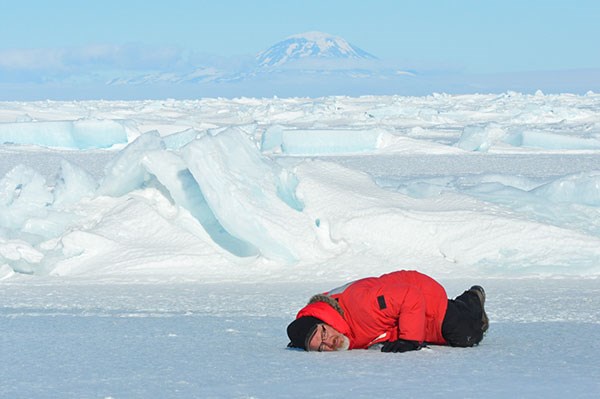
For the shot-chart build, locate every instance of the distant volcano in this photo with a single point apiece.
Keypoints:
(310, 60)
(313, 45)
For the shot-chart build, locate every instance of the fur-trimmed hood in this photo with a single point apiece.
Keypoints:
(328, 300)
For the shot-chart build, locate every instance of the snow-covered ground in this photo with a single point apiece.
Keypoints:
(159, 248)
(224, 340)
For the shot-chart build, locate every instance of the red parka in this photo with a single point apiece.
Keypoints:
(403, 304)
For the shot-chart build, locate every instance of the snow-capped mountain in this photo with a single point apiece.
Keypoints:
(310, 45)
(302, 59)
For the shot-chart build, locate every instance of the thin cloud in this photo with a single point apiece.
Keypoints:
(31, 59)
(73, 59)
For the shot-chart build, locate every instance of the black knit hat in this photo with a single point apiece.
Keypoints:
(301, 331)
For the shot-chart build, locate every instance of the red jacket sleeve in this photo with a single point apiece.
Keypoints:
(412, 315)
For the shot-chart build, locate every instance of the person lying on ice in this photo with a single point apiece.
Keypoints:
(403, 310)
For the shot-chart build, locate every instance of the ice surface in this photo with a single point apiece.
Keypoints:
(172, 261)
(223, 340)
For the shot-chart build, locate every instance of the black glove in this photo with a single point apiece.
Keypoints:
(400, 345)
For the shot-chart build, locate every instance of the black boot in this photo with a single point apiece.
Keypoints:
(480, 292)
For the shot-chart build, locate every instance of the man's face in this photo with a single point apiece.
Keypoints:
(327, 339)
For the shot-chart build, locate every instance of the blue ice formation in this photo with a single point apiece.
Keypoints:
(246, 202)
(570, 201)
(72, 184)
(204, 178)
(583, 188)
(79, 134)
(23, 195)
(552, 141)
(249, 194)
(278, 139)
(173, 174)
(126, 171)
(238, 196)
(177, 140)
(483, 136)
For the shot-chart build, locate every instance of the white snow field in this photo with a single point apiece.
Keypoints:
(158, 249)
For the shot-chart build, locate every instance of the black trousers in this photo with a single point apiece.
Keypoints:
(463, 321)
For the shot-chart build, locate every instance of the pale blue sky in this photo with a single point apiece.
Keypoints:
(75, 49)
(475, 36)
